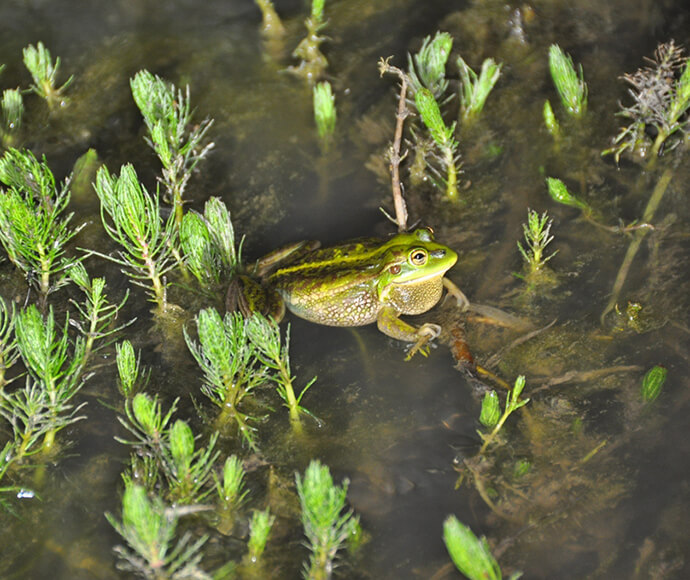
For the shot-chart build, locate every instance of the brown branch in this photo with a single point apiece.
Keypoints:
(394, 151)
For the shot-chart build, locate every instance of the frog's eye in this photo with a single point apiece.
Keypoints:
(418, 257)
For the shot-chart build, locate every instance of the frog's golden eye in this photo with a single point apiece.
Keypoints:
(418, 257)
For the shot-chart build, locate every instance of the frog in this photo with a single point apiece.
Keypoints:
(353, 283)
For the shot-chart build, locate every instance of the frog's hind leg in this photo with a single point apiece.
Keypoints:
(248, 296)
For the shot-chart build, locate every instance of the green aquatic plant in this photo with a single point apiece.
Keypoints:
(55, 366)
(231, 367)
(324, 112)
(274, 354)
(427, 68)
(443, 138)
(471, 555)
(34, 229)
(179, 143)
(39, 62)
(231, 489)
(476, 88)
(513, 403)
(491, 410)
(145, 420)
(550, 120)
(313, 62)
(208, 243)
(131, 376)
(131, 217)
(569, 82)
(327, 523)
(652, 383)
(8, 343)
(661, 99)
(537, 233)
(12, 112)
(259, 528)
(98, 315)
(271, 26)
(559, 193)
(149, 527)
(187, 469)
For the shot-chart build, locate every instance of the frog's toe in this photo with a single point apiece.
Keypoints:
(428, 331)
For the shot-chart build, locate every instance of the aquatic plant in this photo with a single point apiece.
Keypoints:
(231, 367)
(271, 26)
(275, 355)
(537, 233)
(179, 144)
(12, 112)
(661, 99)
(471, 555)
(550, 120)
(8, 344)
(259, 528)
(129, 369)
(324, 112)
(187, 469)
(39, 62)
(427, 68)
(513, 403)
(55, 366)
(145, 420)
(569, 82)
(148, 526)
(34, 229)
(313, 63)
(131, 217)
(327, 524)
(652, 383)
(98, 315)
(443, 138)
(476, 88)
(208, 243)
(231, 490)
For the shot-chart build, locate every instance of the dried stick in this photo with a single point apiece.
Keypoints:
(394, 151)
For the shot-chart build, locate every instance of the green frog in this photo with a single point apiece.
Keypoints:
(354, 283)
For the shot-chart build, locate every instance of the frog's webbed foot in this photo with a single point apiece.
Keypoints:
(425, 334)
(453, 290)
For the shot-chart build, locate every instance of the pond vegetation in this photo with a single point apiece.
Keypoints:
(137, 410)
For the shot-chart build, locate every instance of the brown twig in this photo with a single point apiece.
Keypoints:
(394, 151)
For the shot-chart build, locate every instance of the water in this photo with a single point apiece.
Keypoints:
(606, 493)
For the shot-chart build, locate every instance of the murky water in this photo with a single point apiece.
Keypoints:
(606, 494)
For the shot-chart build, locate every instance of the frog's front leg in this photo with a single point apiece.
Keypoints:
(389, 322)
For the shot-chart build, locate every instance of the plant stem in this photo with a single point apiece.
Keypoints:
(638, 236)
(395, 159)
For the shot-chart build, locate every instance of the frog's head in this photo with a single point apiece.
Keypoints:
(414, 257)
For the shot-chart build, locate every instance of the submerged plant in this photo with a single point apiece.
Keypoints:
(34, 229)
(476, 88)
(259, 528)
(39, 62)
(537, 232)
(231, 368)
(97, 314)
(569, 82)
(443, 138)
(327, 523)
(271, 26)
(131, 217)
(324, 112)
(146, 421)
(148, 526)
(179, 144)
(208, 243)
(471, 555)
(8, 344)
(652, 383)
(513, 403)
(55, 366)
(275, 355)
(12, 113)
(129, 369)
(427, 69)
(661, 99)
(313, 63)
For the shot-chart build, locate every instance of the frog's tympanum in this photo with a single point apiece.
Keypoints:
(351, 284)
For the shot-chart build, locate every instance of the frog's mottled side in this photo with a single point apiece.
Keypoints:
(360, 281)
